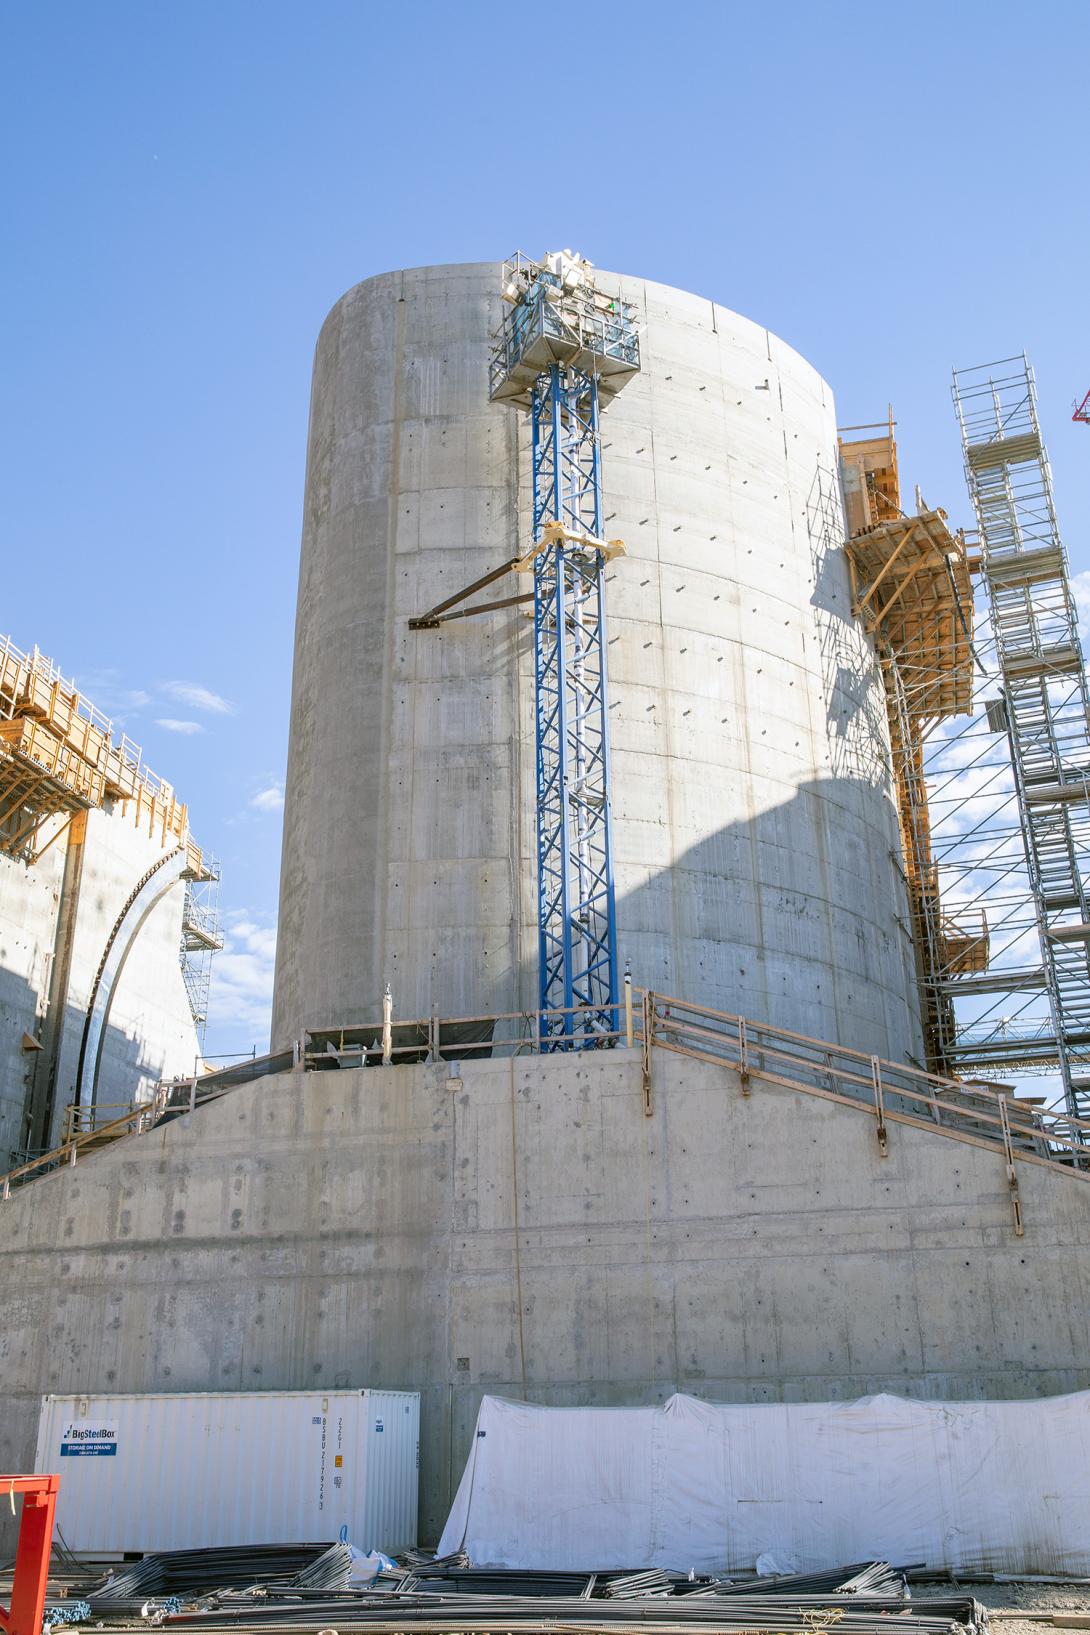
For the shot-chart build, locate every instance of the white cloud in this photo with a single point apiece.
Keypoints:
(240, 999)
(268, 800)
(198, 697)
(107, 692)
(187, 727)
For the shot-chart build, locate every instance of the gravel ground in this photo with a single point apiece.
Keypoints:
(1042, 1599)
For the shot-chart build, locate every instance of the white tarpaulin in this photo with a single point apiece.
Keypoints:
(987, 1486)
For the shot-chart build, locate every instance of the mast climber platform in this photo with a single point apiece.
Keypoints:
(563, 351)
(990, 733)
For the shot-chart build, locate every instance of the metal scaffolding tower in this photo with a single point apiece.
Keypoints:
(1044, 705)
(563, 351)
(201, 938)
(566, 347)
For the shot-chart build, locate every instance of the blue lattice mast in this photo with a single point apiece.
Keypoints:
(563, 350)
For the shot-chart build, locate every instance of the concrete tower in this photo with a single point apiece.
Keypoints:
(756, 846)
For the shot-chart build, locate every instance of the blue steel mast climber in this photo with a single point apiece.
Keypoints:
(563, 351)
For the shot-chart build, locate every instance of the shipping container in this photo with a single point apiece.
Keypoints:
(175, 1472)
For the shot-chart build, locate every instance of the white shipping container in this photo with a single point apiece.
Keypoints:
(175, 1472)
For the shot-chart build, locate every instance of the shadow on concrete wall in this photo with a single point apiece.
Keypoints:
(19, 1068)
(855, 696)
(795, 916)
(33, 1093)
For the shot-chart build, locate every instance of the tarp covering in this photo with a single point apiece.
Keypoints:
(985, 1486)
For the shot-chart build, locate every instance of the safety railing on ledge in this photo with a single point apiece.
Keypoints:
(887, 1092)
(92, 1134)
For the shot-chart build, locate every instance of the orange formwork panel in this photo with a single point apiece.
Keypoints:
(24, 1616)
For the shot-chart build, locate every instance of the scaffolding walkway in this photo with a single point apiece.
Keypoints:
(912, 591)
(59, 758)
(59, 755)
(1044, 705)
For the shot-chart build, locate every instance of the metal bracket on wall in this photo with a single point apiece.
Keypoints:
(648, 1044)
(879, 1105)
(1012, 1173)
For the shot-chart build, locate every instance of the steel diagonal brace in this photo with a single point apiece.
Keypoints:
(438, 615)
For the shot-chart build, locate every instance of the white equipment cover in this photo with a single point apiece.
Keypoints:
(972, 1486)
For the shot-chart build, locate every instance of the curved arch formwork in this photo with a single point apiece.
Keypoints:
(148, 892)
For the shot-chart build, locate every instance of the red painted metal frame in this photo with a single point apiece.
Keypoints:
(1082, 410)
(24, 1616)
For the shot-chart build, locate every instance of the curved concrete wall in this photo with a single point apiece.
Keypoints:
(755, 839)
(54, 921)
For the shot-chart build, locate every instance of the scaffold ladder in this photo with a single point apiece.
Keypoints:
(1046, 705)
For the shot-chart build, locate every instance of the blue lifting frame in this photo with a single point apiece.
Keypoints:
(577, 918)
(563, 350)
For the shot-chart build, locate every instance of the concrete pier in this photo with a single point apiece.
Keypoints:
(756, 842)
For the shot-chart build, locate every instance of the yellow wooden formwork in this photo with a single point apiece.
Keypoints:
(59, 754)
(868, 468)
(911, 580)
(912, 589)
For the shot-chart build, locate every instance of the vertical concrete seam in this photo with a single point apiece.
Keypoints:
(515, 1208)
(381, 882)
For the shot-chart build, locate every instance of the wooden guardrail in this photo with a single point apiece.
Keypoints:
(888, 1092)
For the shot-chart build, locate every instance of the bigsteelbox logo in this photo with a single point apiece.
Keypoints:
(95, 1439)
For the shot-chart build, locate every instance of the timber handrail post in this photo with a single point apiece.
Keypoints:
(648, 1043)
(743, 1055)
(879, 1105)
(433, 1033)
(1012, 1173)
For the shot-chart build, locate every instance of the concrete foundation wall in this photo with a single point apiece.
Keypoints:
(526, 1230)
(29, 904)
(756, 845)
(55, 917)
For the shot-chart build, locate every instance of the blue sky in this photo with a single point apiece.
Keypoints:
(188, 188)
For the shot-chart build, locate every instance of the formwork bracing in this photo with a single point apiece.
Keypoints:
(911, 589)
(1043, 706)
